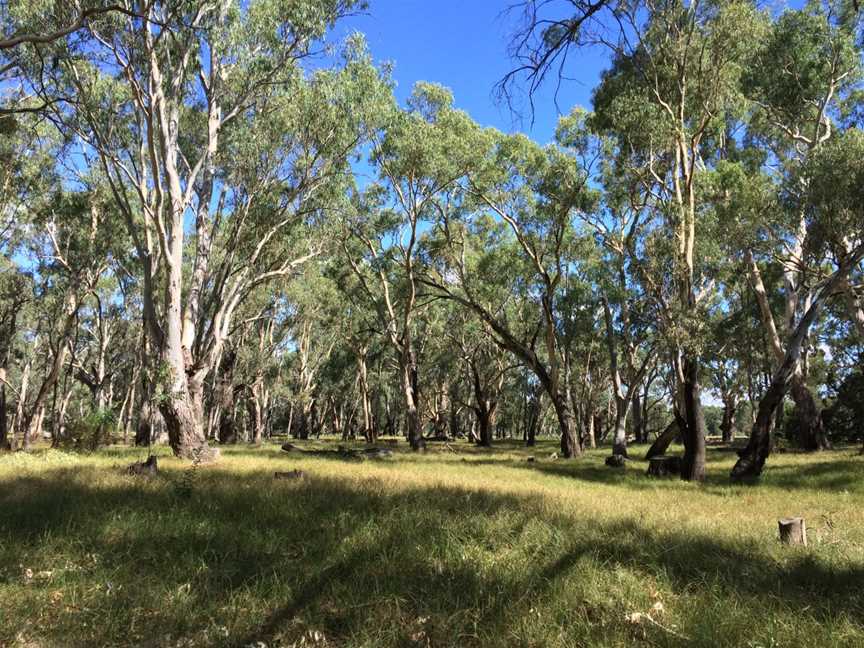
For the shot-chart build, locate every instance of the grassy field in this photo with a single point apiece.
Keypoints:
(456, 547)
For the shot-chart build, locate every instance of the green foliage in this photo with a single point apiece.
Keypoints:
(796, 64)
(837, 188)
(844, 419)
(90, 432)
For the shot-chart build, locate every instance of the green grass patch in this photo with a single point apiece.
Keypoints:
(455, 547)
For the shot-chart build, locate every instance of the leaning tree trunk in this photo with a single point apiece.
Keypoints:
(752, 459)
(664, 440)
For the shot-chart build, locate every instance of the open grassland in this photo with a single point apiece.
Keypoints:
(455, 547)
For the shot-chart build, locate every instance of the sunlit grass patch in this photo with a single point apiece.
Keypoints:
(455, 547)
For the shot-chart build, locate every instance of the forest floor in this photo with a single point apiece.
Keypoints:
(455, 547)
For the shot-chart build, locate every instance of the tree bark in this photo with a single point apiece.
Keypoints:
(256, 420)
(185, 433)
(4, 420)
(590, 434)
(807, 414)
(619, 438)
(727, 425)
(570, 446)
(639, 431)
(752, 459)
(227, 427)
(532, 418)
(484, 424)
(693, 462)
(409, 392)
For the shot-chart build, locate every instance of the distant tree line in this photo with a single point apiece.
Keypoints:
(189, 250)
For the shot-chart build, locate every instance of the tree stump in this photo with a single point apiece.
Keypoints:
(616, 461)
(664, 465)
(793, 531)
(294, 474)
(288, 447)
(146, 468)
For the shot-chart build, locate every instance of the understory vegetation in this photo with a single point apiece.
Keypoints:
(458, 546)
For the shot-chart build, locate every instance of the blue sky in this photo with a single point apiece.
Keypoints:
(462, 44)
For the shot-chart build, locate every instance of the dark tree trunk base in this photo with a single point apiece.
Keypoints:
(145, 468)
(664, 465)
(616, 461)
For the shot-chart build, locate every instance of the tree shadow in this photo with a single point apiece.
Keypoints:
(835, 475)
(358, 561)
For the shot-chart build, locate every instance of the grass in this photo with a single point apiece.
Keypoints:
(460, 547)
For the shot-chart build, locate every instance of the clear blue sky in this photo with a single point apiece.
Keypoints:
(462, 44)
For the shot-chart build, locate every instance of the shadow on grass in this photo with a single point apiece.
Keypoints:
(835, 475)
(268, 560)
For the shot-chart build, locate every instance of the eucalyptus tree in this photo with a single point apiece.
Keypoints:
(13, 296)
(668, 99)
(801, 81)
(626, 308)
(420, 158)
(835, 215)
(200, 112)
(23, 185)
(514, 229)
(69, 241)
(485, 367)
(315, 330)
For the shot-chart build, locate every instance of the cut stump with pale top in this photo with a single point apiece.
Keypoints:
(793, 531)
